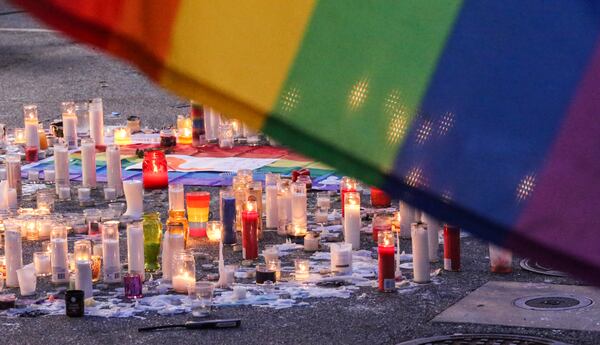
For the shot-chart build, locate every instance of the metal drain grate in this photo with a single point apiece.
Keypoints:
(534, 266)
(483, 339)
(553, 302)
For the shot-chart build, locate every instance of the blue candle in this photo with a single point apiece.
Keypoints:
(228, 216)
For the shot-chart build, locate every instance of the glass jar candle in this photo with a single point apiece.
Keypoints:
(122, 136)
(167, 138)
(254, 193)
(83, 267)
(379, 198)
(59, 255)
(240, 190)
(176, 197)
(13, 171)
(352, 220)
(347, 184)
(197, 209)
(214, 230)
(184, 130)
(183, 271)
(250, 231)
(19, 136)
(110, 252)
(296, 233)
(30, 118)
(197, 116)
(227, 215)
(386, 261)
(500, 259)
(135, 248)
(41, 263)
(83, 119)
(152, 237)
(155, 170)
(69, 124)
(226, 135)
(341, 258)
(284, 206)
(301, 269)
(43, 137)
(174, 240)
(271, 211)
(299, 203)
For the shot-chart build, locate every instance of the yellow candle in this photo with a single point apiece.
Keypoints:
(122, 136)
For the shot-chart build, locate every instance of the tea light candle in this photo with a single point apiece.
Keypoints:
(420, 252)
(88, 163)
(302, 269)
(96, 112)
(83, 194)
(59, 255)
(250, 231)
(352, 222)
(113, 169)
(271, 181)
(341, 258)
(214, 230)
(284, 205)
(311, 241)
(110, 194)
(32, 138)
(299, 203)
(61, 166)
(27, 280)
(64, 193)
(110, 252)
(227, 213)
(41, 263)
(386, 262)
(83, 267)
(49, 175)
(69, 124)
(13, 253)
(122, 136)
(135, 248)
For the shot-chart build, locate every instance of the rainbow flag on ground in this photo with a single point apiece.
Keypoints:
(479, 112)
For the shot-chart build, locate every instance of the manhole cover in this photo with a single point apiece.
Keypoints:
(534, 266)
(482, 339)
(553, 302)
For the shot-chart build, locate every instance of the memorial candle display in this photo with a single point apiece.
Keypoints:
(174, 240)
(176, 197)
(113, 169)
(122, 136)
(197, 209)
(341, 258)
(386, 261)
(352, 223)
(284, 205)
(134, 196)
(32, 138)
(110, 252)
(347, 184)
(59, 255)
(152, 236)
(13, 171)
(88, 163)
(135, 248)
(451, 248)
(97, 121)
(271, 210)
(184, 130)
(299, 203)
(381, 222)
(83, 267)
(183, 271)
(155, 172)
(379, 198)
(250, 231)
(69, 119)
(420, 252)
(13, 253)
(197, 116)
(227, 215)
(433, 227)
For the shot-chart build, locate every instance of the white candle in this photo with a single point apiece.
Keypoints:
(60, 259)
(97, 121)
(182, 281)
(41, 263)
(2, 173)
(341, 258)
(311, 242)
(110, 251)
(61, 166)
(45, 226)
(64, 193)
(134, 196)
(12, 199)
(13, 252)
(433, 227)
(271, 254)
(420, 253)
(176, 197)
(352, 222)
(32, 138)
(97, 249)
(13, 171)
(70, 129)
(323, 201)
(284, 207)
(83, 193)
(83, 277)
(27, 280)
(33, 175)
(113, 169)
(172, 243)
(408, 217)
(109, 194)
(321, 215)
(271, 206)
(239, 293)
(135, 248)
(299, 203)
(88, 163)
(49, 175)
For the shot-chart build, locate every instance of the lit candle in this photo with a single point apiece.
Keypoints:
(122, 136)
(113, 169)
(240, 191)
(214, 229)
(271, 254)
(197, 206)
(227, 215)
(88, 163)
(155, 173)
(44, 228)
(135, 248)
(302, 269)
(296, 233)
(184, 271)
(27, 280)
(433, 227)
(32, 137)
(13, 171)
(271, 181)
(176, 197)
(341, 258)
(352, 221)
(32, 230)
(69, 124)
(284, 205)
(347, 184)
(420, 253)
(381, 222)
(323, 200)
(173, 242)
(97, 121)
(41, 263)
(250, 231)
(254, 193)
(48, 175)
(299, 203)
(184, 130)
(13, 253)
(451, 248)
(83, 267)
(110, 252)
(134, 196)
(61, 166)
(59, 258)
(386, 264)
(19, 136)
(407, 214)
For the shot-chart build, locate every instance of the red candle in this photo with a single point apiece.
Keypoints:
(347, 185)
(250, 231)
(387, 262)
(379, 198)
(451, 248)
(155, 173)
(31, 154)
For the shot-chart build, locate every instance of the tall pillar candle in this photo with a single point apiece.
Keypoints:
(32, 138)
(113, 169)
(13, 253)
(386, 262)
(13, 171)
(240, 188)
(227, 215)
(299, 203)
(255, 194)
(59, 255)
(83, 267)
(284, 206)
(61, 166)
(347, 184)
(198, 131)
(433, 227)
(97, 121)
(451, 248)
(407, 214)
(176, 197)
(69, 120)
(135, 249)
(134, 196)
(271, 211)
(173, 242)
(110, 252)
(198, 204)
(88, 163)
(250, 231)
(352, 223)
(420, 253)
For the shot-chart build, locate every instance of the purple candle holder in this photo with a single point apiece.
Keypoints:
(133, 285)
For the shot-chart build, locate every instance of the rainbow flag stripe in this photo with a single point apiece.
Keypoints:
(478, 112)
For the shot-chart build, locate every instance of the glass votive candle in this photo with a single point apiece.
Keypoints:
(167, 138)
(271, 254)
(27, 280)
(110, 194)
(301, 269)
(274, 265)
(45, 199)
(32, 230)
(93, 218)
(214, 229)
(44, 228)
(184, 130)
(296, 233)
(64, 193)
(396, 221)
(183, 271)
(197, 209)
(132, 282)
(122, 136)
(19, 136)
(264, 274)
(41, 264)
(154, 170)
(323, 200)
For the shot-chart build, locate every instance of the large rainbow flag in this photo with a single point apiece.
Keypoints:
(478, 112)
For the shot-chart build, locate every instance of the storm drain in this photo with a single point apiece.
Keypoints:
(553, 302)
(536, 267)
(482, 339)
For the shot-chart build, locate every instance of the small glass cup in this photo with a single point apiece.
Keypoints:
(41, 264)
(201, 295)
(133, 285)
